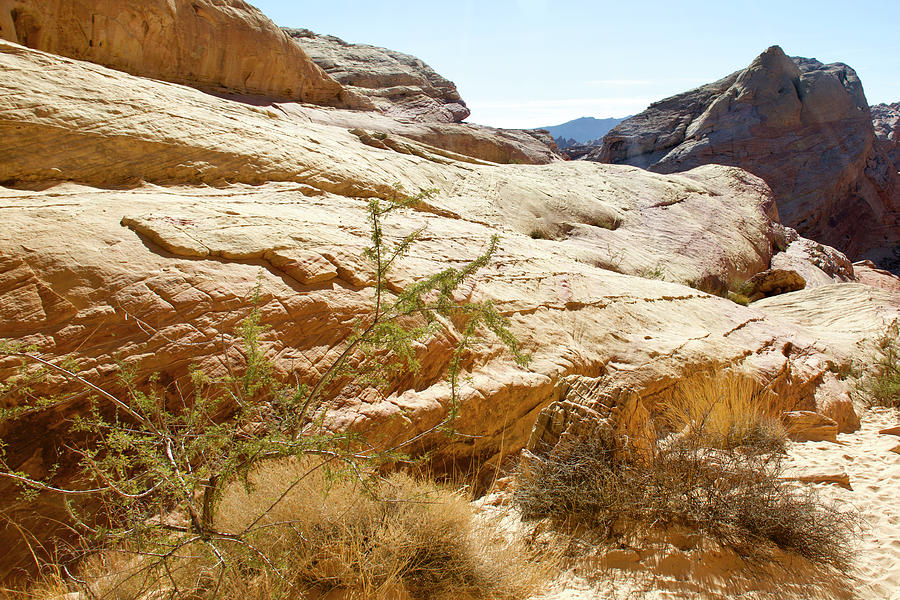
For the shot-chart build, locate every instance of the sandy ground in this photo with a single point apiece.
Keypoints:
(874, 470)
(683, 566)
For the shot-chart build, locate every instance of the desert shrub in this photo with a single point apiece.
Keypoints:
(726, 409)
(655, 272)
(738, 298)
(144, 462)
(322, 531)
(882, 385)
(736, 289)
(736, 497)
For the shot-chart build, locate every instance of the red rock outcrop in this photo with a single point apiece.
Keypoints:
(218, 45)
(802, 126)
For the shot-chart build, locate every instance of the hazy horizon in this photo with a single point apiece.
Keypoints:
(531, 63)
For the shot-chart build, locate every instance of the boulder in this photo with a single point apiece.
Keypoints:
(803, 126)
(216, 45)
(773, 282)
(886, 119)
(808, 426)
(833, 401)
(397, 84)
(816, 263)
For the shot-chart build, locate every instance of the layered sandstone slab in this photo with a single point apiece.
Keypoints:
(802, 126)
(219, 45)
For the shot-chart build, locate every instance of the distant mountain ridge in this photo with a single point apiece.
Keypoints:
(581, 130)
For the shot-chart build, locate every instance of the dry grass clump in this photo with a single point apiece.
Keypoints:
(882, 386)
(737, 497)
(322, 532)
(726, 410)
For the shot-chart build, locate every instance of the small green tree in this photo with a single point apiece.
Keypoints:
(146, 461)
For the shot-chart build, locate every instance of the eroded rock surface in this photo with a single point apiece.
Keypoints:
(802, 126)
(773, 282)
(395, 83)
(219, 45)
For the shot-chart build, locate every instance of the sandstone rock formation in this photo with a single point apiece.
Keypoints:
(802, 126)
(886, 119)
(230, 47)
(152, 209)
(815, 263)
(218, 45)
(417, 103)
(397, 84)
(141, 130)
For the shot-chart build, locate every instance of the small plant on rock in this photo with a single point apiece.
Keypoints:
(882, 385)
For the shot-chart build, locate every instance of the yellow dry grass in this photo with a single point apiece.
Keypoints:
(327, 535)
(726, 409)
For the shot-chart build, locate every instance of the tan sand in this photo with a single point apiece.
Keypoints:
(874, 470)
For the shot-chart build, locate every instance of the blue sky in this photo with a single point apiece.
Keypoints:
(527, 63)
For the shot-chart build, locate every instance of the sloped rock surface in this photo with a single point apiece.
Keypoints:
(397, 84)
(866, 272)
(69, 120)
(502, 146)
(218, 45)
(802, 126)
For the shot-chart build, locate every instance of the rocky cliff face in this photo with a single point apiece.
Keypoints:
(802, 126)
(886, 119)
(218, 45)
(397, 84)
